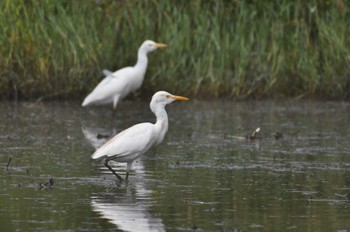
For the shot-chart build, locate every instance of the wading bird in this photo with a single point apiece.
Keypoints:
(133, 142)
(116, 85)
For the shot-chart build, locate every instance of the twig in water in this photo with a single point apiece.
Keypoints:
(8, 163)
(47, 184)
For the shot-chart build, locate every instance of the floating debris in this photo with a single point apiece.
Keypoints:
(253, 135)
(236, 137)
(278, 135)
(101, 136)
(46, 185)
(194, 228)
(347, 196)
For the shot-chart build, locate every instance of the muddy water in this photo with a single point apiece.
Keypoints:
(205, 176)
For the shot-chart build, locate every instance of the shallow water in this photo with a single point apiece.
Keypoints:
(205, 176)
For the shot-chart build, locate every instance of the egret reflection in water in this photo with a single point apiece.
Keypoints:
(126, 212)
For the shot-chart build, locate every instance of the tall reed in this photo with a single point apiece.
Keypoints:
(57, 49)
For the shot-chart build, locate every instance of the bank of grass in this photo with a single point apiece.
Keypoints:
(57, 49)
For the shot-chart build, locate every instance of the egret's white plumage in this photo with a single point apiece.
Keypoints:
(133, 142)
(116, 85)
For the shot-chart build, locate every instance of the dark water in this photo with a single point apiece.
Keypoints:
(205, 176)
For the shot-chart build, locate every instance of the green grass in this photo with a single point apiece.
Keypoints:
(242, 49)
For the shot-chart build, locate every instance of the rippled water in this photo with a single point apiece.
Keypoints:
(205, 176)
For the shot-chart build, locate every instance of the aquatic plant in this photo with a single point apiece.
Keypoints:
(57, 49)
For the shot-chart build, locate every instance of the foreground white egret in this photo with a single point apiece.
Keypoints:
(116, 85)
(133, 142)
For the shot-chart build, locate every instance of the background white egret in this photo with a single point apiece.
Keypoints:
(133, 142)
(116, 85)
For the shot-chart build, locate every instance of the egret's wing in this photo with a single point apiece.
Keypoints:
(100, 94)
(104, 82)
(116, 84)
(107, 73)
(132, 141)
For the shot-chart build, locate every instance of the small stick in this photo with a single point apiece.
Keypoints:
(8, 163)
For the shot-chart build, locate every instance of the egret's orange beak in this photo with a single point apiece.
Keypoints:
(179, 98)
(160, 45)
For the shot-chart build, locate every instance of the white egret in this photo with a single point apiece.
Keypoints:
(116, 85)
(133, 142)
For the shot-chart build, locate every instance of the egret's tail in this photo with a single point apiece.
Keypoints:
(97, 155)
(86, 101)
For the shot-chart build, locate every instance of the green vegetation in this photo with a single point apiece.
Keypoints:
(57, 49)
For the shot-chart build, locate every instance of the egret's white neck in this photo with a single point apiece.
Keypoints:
(162, 122)
(142, 60)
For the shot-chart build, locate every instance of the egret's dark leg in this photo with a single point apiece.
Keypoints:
(114, 112)
(128, 167)
(115, 103)
(111, 169)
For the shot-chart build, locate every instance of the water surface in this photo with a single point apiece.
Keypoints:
(205, 176)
